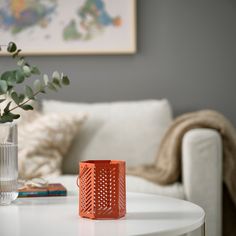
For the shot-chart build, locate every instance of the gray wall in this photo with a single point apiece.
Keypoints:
(187, 53)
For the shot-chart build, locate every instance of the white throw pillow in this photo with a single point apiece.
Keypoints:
(44, 140)
(129, 131)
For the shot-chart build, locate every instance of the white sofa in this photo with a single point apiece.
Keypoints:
(132, 131)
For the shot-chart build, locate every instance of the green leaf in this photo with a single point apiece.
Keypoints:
(8, 74)
(38, 86)
(21, 98)
(5, 75)
(11, 47)
(2, 100)
(65, 80)
(20, 77)
(21, 62)
(29, 92)
(51, 87)
(15, 98)
(35, 70)
(45, 79)
(56, 82)
(55, 75)
(9, 77)
(6, 109)
(3, 86)
(27, 107)
(26, 70)
(11, 81)
(8, 117)
(14, 116)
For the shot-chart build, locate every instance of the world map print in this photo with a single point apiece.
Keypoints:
(69, 26)
(17, 15)
(89, 21)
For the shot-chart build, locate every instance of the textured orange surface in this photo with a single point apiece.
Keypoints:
(102, 189)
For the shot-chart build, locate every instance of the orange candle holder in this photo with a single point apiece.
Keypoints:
(102, 189)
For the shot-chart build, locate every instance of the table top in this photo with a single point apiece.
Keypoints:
(58, 216)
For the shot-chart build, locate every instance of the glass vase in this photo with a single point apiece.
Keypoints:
(8, 163)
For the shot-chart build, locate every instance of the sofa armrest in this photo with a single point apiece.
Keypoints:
(202, 175)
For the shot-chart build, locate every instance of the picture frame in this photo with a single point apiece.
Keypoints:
(59, 27)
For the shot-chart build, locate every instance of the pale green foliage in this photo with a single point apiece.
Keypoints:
(20, 75)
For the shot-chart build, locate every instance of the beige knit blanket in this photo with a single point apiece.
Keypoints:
(167, 167)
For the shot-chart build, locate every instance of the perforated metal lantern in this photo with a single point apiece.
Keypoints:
(102, 189)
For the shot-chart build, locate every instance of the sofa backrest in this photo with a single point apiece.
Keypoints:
(129, 131)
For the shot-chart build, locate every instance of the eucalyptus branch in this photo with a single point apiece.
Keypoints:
(9, 80)
(25, 102)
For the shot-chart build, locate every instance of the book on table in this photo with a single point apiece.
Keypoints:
(51, 190)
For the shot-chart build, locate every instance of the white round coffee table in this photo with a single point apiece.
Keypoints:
(58, 216)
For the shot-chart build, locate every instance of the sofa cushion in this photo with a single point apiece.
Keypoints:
(43, 142)
(133, 184)
(129, 131)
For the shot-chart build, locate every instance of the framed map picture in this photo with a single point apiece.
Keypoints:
(69, 26)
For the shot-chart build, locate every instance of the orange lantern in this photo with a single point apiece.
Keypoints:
(102, 189)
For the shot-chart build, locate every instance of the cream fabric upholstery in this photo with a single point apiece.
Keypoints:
(129, 131)
(202, 175)
(43, 142)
